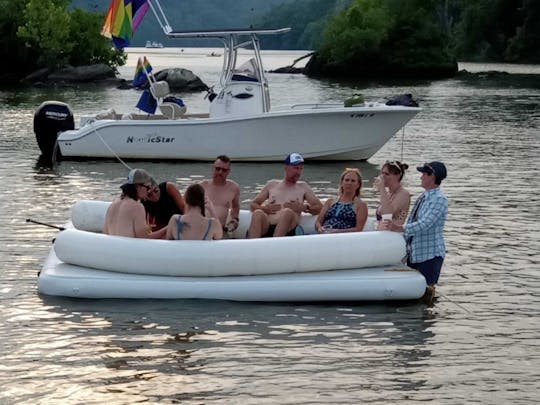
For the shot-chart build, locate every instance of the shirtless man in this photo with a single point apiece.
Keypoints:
(223, 193)
(126, 215)
(285, 201)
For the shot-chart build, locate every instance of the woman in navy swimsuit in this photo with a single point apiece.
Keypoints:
(348, 213)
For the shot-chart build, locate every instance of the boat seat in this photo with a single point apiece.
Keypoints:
(171, 110)
(159, 89)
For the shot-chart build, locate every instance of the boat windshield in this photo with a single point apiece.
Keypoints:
(247, 72)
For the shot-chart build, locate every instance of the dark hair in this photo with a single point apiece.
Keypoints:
(396, 167)
(195, 196)
(129, 190)
(224, 158)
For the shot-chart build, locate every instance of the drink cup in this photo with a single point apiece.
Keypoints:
(386, 217)
(326, 228)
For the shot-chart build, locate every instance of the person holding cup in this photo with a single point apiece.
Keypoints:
(348, 213)
(394, 200)
(423, 231)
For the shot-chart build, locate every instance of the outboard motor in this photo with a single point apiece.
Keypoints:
(50, 118)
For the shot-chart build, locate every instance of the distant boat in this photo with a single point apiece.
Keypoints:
(154, 44)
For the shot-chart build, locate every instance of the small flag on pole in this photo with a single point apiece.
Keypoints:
(147, 102)
(143, 69)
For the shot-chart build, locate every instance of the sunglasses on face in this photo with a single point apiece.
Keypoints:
(147, 187)
(221, 169)
(394, 164)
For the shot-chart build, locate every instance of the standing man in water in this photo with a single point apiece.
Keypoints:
(279, 205)
(424, 228)
(223, 193)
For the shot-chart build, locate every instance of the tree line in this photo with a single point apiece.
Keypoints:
(350, 37)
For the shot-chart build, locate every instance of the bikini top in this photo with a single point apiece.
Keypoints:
(180, 225)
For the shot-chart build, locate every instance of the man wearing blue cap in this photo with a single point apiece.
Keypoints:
(279, 205)
(423, 230)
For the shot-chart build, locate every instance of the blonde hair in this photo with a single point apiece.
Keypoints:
(358, 173)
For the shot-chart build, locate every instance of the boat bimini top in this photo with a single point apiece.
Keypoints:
(232, 40)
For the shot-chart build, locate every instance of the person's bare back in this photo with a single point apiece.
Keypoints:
(126, 217)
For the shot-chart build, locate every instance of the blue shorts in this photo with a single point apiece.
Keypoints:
(430, 269)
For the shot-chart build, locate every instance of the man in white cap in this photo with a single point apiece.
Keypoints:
(424, 228)
(126, 215)
(278, 206)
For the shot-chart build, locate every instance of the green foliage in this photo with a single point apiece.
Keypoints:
(385, 37)
(53, 36)
(358, 33)
(13, 48)
(499, 30)
(352, 36)
(86, 30)
(47, 27)
(524, 46)
(307, 19)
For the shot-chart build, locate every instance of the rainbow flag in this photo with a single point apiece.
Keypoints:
(122, 19)
(140, 77)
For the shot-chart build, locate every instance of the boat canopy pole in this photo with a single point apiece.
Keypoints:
(160, 17)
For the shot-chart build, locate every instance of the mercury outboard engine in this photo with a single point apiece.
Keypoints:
(51, 118)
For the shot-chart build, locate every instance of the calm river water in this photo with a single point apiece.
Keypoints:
(479, 342)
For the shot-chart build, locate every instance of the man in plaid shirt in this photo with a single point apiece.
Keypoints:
(423, 230)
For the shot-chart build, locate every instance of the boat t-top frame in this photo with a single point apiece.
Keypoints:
(232, 40)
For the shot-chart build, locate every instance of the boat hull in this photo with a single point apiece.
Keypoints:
(354, 133)
(389, 283)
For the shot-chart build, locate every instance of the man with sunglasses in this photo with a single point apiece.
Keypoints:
(424, 228)
(126, 215)
(223, 193)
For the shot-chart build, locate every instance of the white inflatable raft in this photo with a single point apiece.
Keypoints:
(357, 266)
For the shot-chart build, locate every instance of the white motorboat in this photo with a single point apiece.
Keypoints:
(361, 266)
(239, 121)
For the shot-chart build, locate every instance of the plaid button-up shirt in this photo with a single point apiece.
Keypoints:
(424, 231)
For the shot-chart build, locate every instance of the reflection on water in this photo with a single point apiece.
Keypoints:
(478, 343)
